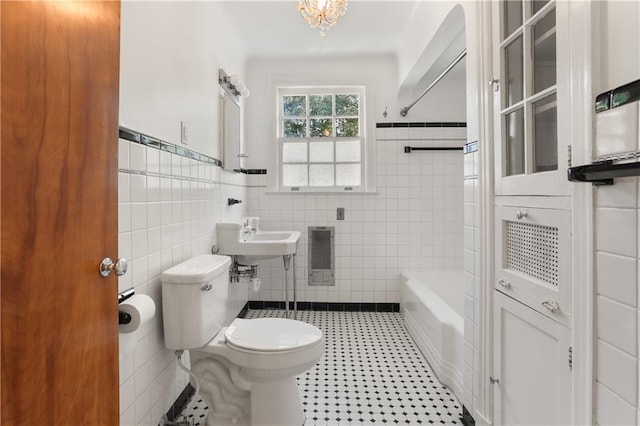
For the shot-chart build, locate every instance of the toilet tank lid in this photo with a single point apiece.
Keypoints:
(198, 269)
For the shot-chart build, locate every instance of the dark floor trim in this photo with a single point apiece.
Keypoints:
(326, 306)
(467, 418)
(181, 403)
(244, 311)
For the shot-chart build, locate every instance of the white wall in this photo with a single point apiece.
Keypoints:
(169, 58)
(168, 204)
(413, 222)
(617, 221)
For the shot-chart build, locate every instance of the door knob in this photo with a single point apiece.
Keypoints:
(107, 266)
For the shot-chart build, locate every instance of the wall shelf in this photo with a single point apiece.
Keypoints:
(602, 172)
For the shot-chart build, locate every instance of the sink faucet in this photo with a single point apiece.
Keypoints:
(248, 229)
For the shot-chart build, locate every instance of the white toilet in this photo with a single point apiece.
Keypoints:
(247, 371)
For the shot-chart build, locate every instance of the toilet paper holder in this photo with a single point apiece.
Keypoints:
(123, 317)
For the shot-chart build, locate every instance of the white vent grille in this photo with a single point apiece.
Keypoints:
(321, 255)
(533, 250)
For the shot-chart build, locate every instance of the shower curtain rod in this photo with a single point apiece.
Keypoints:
(406, 109)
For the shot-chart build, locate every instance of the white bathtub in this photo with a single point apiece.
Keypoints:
(432, 303)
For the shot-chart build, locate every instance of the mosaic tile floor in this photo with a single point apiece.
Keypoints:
(372, 373)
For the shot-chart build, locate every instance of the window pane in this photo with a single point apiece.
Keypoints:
(320, 105)
(544, 53)
(539, 4)
(545, 134)
(515, 142)
(294, 106)
(321, 175)
(294, 174)
(348, 174)
(321, 152)
(347, 104)
(347, 152)
(513, 71)
(512, 16)
(295, 128)
(294, 152)
(347, 127)
(321, 127)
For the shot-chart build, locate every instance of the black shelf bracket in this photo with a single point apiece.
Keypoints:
(602, 172)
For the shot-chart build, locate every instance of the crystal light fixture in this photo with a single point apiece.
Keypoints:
(322, 14)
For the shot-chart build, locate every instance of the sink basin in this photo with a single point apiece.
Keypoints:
(251, 247)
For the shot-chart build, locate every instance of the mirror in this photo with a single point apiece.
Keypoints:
(230, 133)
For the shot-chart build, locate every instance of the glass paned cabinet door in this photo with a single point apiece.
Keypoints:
(528, 98)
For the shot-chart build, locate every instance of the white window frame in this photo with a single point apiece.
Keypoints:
(281, 140)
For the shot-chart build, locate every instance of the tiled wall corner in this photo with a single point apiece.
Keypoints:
(472, 274)
(414, 221)
(617, 266)
(168, 206)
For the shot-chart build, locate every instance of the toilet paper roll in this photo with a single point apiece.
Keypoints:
(256, 283)
(141, 308)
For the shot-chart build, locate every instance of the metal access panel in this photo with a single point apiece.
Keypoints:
(322, 256)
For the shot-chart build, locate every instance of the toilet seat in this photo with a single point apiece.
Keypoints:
(271, 334)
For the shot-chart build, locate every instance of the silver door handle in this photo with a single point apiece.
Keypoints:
(504, 283)
(107, 266)
(552, 306)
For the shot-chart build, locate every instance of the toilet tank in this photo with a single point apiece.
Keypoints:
(194, 296)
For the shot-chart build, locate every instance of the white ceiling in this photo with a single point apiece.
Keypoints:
(275, 28)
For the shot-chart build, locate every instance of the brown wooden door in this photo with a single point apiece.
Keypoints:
(59, 129)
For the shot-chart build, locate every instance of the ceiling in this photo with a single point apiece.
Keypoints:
(275, 28)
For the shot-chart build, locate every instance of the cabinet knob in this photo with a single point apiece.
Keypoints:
(520, 215)
(552, 306)
(505, 284)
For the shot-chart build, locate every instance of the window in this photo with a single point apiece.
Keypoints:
(321, 138)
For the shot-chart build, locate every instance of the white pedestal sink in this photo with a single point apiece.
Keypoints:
(252, 246)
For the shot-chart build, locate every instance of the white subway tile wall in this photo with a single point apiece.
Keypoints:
(617, 302)
(472, 281)
(414, 221)
(168, 206)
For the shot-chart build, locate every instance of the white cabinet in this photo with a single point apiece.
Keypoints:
(533, 258)
(532, 371)
(531, 97)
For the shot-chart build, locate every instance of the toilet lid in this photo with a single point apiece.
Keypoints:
(271, 334)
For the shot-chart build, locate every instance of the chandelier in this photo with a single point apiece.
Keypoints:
(322, 14)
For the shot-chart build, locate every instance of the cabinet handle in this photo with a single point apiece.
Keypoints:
(520, 215)
(552, 306)
(505, 284)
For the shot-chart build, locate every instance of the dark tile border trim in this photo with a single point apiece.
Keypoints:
(251, 171)
(618, 97)
(137, 137)
(470, 147)
(181, 402)
(244, 311)
(425, 124)
(467, 418)
(328, 306)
